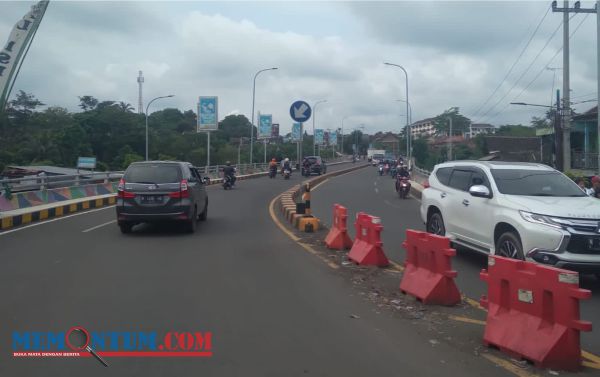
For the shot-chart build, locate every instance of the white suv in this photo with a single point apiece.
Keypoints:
(518, 210)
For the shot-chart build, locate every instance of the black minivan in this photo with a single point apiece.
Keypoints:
(153, 191)
(313, 164)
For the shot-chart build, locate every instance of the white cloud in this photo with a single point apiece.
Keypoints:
(454, 57)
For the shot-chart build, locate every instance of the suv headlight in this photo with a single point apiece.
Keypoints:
(539, 219)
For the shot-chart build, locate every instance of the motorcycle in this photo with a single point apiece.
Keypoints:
(403, 187)
(393, 172)
(306, 171)
(380, 169)
(286, 173)
(227, 182)
(272, 172)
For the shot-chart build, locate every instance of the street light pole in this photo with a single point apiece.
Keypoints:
(409, 119)
(147, 106)
(314, 115)
(408, 144)
(253, 100)
(343, 119)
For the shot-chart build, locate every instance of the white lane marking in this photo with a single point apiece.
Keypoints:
(98, 226)
(375, 183)
(376, 190)
(53, 220)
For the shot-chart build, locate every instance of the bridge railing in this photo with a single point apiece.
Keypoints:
(420, 175)
(43, 181)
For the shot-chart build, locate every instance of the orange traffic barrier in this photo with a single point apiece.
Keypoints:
(533, 312)
(428, 275)
(366, 249)
(338, 238)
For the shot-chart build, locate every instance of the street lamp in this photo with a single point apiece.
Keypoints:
(343, 119)
(409, 119)
(408, 152)
(253, 100)
(147, 106)
(314, 115)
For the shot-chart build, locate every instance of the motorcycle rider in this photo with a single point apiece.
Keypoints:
(229, 171)
(273, 167)
(286, 165)
(403, 172)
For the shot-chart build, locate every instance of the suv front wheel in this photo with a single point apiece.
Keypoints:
(509, 246)
(435, 224)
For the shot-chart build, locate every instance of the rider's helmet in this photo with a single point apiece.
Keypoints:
(228, 163)
(286, 160)
(273, 159)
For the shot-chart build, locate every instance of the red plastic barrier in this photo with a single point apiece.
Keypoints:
(428, 275)
(533, 312)
(366, 249)
(338, 235)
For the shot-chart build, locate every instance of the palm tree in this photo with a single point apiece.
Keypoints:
(124, 106)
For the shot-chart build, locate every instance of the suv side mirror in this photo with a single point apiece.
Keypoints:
(480, 191)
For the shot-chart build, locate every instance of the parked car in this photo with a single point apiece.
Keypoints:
(316, 165)
(518, 210)
(154, 191)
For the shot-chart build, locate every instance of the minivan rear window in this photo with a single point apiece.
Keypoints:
(148, 173)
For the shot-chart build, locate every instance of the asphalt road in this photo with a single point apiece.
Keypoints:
(273, 309)
(366, 191)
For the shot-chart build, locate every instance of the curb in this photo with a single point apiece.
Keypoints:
(58, 211)
(287, 200)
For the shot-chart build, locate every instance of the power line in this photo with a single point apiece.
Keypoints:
(514, 63)
(526, 70)
(585, 95)
(544, 68)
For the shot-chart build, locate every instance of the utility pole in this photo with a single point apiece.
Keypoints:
(450, 140)
(566, 108)
(558, 145)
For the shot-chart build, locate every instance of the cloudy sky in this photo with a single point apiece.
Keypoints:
(456, 54)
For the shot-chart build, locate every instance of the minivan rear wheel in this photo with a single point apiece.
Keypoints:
(435, 224)
(509, 246)
(204, 214)
(191, 223)
(125, 227)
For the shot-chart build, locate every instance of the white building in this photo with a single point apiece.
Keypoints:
(422, 128)
(480, 128)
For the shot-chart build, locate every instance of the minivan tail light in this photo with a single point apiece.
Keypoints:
(121, 193)
(183, 192)
(426, 183)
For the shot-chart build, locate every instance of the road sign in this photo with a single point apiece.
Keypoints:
(333, 138)
(300, 111)
(265, 123)
(319, 136)
(86, 163)
(208, 114)
(296, 132)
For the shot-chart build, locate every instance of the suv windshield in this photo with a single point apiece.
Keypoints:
(311, 160)
(534, 183)
(147, 173)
